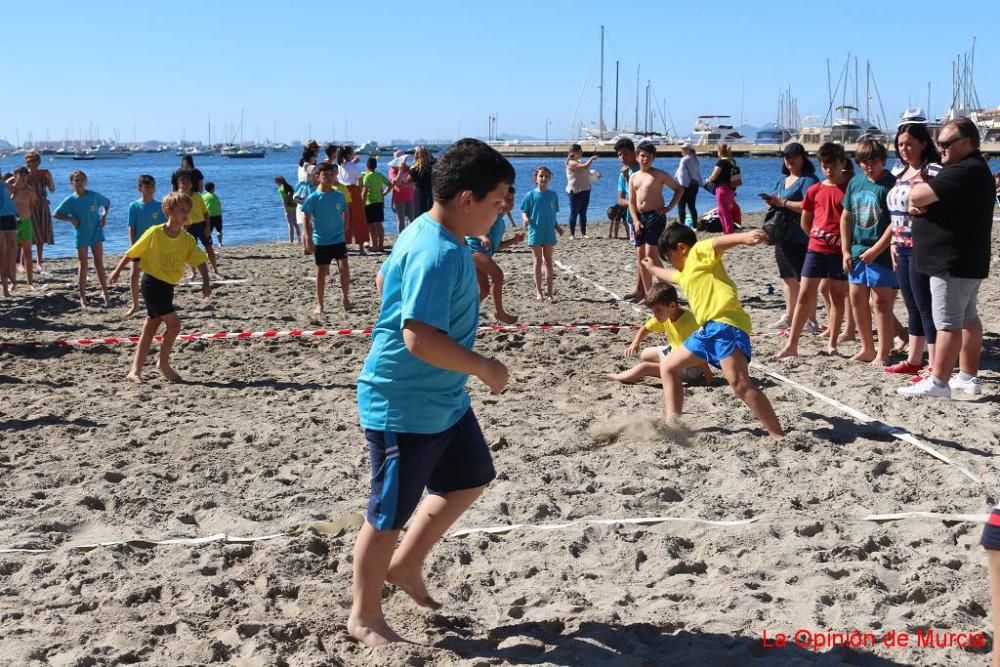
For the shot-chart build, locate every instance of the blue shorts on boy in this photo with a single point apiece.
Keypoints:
(717, 340)
(991, 531)
(403, 464)
(495, 235)
(872, 275)
(87, 209)
(142, 216)
(429, 278)
(823, 265)
(541, 208)
(327, 211)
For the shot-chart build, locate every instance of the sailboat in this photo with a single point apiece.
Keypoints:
(243, 153)
(848, 125)
(781, 131)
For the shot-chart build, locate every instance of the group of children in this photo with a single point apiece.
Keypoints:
(17, 201)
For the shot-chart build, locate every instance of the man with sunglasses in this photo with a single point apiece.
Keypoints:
(953, 221)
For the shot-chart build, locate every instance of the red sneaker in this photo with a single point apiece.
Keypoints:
(904, 368)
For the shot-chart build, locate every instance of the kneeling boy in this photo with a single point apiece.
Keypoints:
(724, 337)
(418, 422)
(677, 324)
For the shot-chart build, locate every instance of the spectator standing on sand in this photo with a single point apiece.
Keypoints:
(402, 190)
(689, 176)
(423, 166)
(42, 183)
(578, 188)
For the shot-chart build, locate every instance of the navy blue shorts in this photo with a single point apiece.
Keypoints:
(403, 464)
(823, 265)
(651, 226)
(717, 340)
(991, 532)
(197, 230)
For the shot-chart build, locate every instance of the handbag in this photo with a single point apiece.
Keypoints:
(778, 225)
(735, 177)
(709, 187)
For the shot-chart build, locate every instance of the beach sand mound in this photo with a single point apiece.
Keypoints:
(263, 438)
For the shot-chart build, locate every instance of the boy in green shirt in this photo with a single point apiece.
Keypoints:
(214, 206)
(374, 187)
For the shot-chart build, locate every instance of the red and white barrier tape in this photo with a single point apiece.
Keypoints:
(307, 333)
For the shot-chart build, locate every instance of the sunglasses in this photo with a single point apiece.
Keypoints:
(945, 145)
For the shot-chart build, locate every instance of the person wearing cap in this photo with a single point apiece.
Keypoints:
(688, 174)
(798, 175)
(402, 190)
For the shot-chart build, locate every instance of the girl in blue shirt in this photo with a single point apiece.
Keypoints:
(87, 211)
(539, 208)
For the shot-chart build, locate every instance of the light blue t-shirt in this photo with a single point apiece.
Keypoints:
(303, 189)
(327, 211)
(429, 277)
(623, 189)
(142, 216)
(495, 235)
(87, 209)
(6, 202)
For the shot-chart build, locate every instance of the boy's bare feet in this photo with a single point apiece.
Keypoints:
(132, 311)
(135, 376)
(538, 296)
(169, 373)
(864, 355)
(347, 303)
(107, 301)
(899, 345)
(846, 337)
(505, 317)
(620, 377)
(412, 583)
(318, 310)
(83, 303)
(879, 363)
(787, 351)
(830, 351)
(373, 632)
(678, 431)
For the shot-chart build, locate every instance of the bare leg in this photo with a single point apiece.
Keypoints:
(167, 345)
(345, 283)
(915, 356)
(101, 276)
(993, 562)
(735, 368)
(489, 273)
(26, 262)
(640, 290)
(210, 251)
(40, 245)
(884, 319)
(670, 374)
(372, 555)
(643, 369)
(972, 347)
(8, 260)
(81, 274)
(791, 296)
(947, 352)
(536, 255)
(861, 308)
(549, 275)
(838, 303)
(435, 515)
(149, 328)
(806, 303)
(322, 271)
(133, 286)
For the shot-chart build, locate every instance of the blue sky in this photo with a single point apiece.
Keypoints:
(438, 69)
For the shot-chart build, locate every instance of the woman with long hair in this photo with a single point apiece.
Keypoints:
(40, 180)
(423, 167)
(578, 188)
(722, 176)
(349, 176)
(920, 159)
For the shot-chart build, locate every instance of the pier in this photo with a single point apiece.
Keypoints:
(560, 149)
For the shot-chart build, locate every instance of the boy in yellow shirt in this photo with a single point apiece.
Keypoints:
(724, 337)
(676, 324)
(163, 251)
(198, 225)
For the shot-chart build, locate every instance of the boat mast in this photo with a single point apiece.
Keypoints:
(637, 98)
(600, 111)
(617, 63)
(209, 132)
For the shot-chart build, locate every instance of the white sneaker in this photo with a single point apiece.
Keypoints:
(812, 328)
(972, 387)
(783, 323)
(925, 388)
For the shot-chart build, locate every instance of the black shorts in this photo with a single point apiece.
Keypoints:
(403, 464)
(197, 230)
(823, 265)
(991, 532)
(790, 258)
(216, 222)
(651, 226)
(326, 253)
(158, 295)
(8, 223)
(375, 212)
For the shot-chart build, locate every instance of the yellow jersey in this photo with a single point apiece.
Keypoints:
(199, 212)
(710, 292)
(164, 257)
(676, 332)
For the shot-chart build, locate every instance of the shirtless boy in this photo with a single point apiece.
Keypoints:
(24, 200)
(645, 202)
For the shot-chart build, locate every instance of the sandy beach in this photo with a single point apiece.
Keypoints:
(263, 438)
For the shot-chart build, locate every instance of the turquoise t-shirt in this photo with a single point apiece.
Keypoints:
(7, 206)
(212, 203)
(866, 202)
(327, 211)
(87, 209)
(796, 193)
(142, 216)
(429, 277)
(303, 190)
(495, 235)
(623, 190)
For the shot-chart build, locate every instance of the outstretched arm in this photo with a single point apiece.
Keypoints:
(663, 273)
(730, 241)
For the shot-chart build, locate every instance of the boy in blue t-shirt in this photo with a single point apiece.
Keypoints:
(324, 212)
(87, 211)
(539, 208)
(865, 236)
(418, 422)
(485, 247)
(143, 213)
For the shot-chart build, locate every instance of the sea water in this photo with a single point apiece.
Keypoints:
(253, 213)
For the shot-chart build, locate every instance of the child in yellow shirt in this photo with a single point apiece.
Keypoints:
(676, 324)
(724, 337)
(163, 251)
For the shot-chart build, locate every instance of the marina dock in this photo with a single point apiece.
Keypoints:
(554, 149)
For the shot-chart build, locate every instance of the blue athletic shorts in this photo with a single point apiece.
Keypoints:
(823, 265)
(872, 275)
(403, 464)
(991, 532)
(717, 340)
